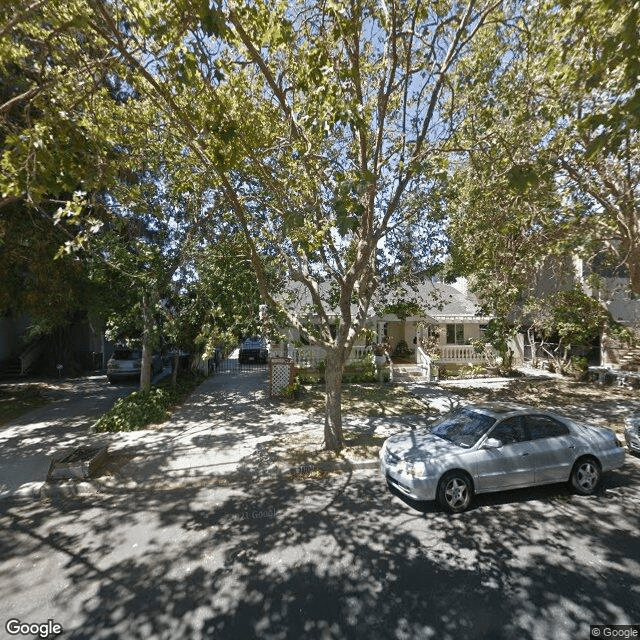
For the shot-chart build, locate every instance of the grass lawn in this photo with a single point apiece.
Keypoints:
(303, 450)
(364, 400)
(585, 402)
(588, 402)
(18, 399)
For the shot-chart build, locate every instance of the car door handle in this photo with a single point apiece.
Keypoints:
(526, 453)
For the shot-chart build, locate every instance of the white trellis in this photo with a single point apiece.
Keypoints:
(281, 375)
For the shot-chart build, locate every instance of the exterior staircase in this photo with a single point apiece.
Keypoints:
(629, 359)
(407, 373)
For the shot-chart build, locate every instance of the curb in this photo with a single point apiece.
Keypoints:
(74, 489)
(79, 489)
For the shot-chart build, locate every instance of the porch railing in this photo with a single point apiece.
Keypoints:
(460, 354)
(449, 354)
(426, 365)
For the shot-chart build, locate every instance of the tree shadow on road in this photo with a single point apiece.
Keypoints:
(337, 557)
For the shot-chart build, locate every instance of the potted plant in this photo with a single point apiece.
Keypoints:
(294, 390)
(380, 354)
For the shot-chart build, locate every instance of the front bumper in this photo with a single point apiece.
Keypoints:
(416, 488)
(122, 374)
(632, 438)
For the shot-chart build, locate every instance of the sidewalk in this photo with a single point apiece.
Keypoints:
(28, 443)
(227, 429)
(230, 430)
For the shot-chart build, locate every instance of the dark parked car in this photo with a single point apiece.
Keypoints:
(254, 349)
(497, 446)
(126, 363)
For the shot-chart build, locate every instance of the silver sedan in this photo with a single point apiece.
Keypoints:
(632, 433)
(497, 446)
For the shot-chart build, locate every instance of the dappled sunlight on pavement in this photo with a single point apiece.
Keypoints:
(220, 429)
(339, 557)
(28, 442)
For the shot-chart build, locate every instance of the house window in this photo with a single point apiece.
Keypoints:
(455, 334)
(482, 328)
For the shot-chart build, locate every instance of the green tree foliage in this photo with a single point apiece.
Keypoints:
(35, 180)
(323, 125)
(50, 297)
(567, 319)
(550, 148)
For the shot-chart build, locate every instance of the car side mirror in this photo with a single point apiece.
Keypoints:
(492, 443)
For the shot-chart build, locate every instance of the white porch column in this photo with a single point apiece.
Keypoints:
(380, 332)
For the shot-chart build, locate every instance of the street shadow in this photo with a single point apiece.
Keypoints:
(336, 557)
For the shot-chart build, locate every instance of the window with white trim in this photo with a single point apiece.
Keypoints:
(455, 333)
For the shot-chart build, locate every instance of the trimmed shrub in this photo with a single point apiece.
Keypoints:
(138, 410)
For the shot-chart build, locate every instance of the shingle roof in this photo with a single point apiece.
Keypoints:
(440, 302)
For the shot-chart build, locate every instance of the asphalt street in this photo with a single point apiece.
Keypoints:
(333, 557)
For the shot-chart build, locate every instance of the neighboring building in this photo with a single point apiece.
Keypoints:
(613, 292)
(79, 346)
(610, 288)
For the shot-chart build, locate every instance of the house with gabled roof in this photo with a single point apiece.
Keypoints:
(447, 313)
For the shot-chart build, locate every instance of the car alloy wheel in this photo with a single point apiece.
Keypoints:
(585, 476)
(454, 492)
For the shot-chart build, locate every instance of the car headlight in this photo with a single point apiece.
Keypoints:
(417, 469)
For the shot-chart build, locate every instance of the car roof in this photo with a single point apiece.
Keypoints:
(500, 409)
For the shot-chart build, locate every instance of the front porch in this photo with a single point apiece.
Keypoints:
(418, 365)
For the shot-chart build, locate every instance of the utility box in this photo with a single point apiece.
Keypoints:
(282, 373)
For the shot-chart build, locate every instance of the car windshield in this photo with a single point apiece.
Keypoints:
(464, 428)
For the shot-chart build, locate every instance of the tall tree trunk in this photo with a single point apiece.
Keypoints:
(176, 364)
(333, 437)
(633, 264)
(145, 368)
